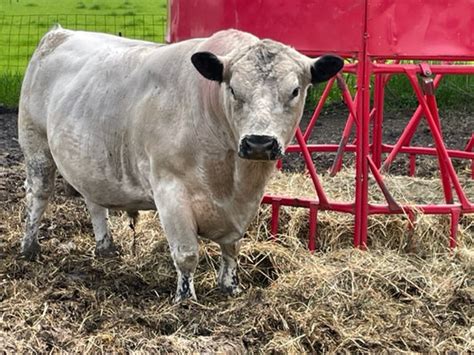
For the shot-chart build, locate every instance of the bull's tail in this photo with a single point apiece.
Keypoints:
(133, 218)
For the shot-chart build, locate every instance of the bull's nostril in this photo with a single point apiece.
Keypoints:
(260, 146)
(260, 143)
(274, 145)
(245, 144)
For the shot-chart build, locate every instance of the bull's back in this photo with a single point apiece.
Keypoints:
(89, 93)
(67, 65)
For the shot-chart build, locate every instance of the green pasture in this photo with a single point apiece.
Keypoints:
(98, 7)
(23, 22)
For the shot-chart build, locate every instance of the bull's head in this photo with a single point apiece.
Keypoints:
(264, 88)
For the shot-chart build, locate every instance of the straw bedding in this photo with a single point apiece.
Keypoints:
(406, 293)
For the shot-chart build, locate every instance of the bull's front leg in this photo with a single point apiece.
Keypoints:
(104, 243)
(228, 280)
(181, 232)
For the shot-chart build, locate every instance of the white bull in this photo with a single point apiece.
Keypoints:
(191, 129)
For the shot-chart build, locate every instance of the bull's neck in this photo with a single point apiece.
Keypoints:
(212, 124)
(249, 177)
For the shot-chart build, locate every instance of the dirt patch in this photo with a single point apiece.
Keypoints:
(408, 293)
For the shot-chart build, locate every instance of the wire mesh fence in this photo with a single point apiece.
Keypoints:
(20, 34)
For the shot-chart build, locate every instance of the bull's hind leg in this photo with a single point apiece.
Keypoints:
(104, 244)
(40, 170)
(228, 280)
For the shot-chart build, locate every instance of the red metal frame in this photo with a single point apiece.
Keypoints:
(377, 34)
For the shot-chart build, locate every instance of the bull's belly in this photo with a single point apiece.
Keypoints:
(108, 192)
(100, 179)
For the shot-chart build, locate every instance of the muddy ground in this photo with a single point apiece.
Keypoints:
(338, 300)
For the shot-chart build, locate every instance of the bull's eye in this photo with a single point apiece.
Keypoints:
(295, 93)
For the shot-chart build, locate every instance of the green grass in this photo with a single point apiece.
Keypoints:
(10, 85)
(23, 23)
(99, 7)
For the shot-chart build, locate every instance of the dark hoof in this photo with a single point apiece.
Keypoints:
(110, 251)
(183, 299)
(31, 251)
(230, 290)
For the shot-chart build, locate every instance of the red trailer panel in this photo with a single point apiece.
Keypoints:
(421, 29)
(312, 27)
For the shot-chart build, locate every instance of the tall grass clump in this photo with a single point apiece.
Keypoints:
(10, 85)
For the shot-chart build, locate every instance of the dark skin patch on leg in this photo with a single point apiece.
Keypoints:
(184, 291)
(106, 248)
(229, 289)
(32, 251)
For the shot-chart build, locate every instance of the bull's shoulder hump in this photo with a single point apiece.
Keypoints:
(52, 40)
(224, 41)
(233, 34)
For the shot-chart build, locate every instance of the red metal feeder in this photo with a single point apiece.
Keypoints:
(375, 35)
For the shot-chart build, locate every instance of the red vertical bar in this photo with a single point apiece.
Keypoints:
(472, 169)
(362, 137)
(275, 217)
(313, 226)
(455, 214)
(362, 151)
(470, 147)
(379, 97)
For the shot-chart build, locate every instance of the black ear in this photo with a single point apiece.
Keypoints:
(208, 65)
(325, 67)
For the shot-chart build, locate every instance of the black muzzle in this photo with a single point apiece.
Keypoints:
(255, 147)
